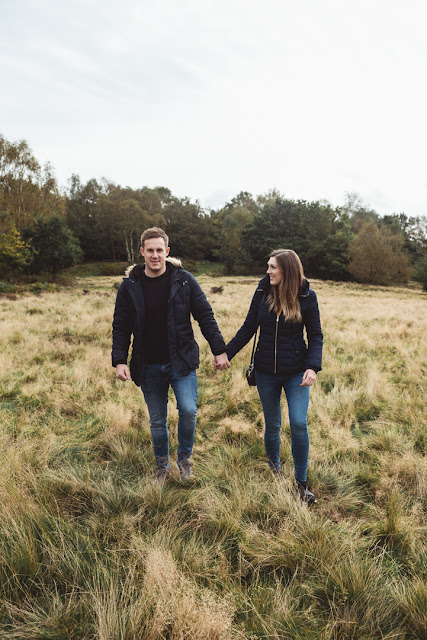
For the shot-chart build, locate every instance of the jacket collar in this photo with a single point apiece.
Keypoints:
(135, 276)
(135, 273)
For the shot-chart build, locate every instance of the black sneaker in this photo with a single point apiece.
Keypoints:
(305, 493)
(185, 468)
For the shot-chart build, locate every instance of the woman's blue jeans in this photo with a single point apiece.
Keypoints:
(270, 389)
(155, 387)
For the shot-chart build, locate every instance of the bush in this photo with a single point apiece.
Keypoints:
(190, 265)
(378, 257)
(54, 245)
(94, 269)
(15, 254)
(113, 268)
(421, 272)
(5, 287)
(39, 287)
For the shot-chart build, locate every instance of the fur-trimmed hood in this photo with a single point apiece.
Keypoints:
(136, 269)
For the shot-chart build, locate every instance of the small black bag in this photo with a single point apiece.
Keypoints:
(250, 375)
(250, 371)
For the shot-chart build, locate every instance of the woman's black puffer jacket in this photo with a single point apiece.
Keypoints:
(281, 347)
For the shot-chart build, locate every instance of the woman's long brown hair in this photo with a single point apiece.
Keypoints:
(284, 297)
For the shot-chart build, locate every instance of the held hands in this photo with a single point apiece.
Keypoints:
(308, 378)
(221, 362)
(122, 372)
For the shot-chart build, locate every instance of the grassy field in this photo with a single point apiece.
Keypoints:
(92, 548)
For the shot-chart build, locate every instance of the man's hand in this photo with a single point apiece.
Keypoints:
(308, 378)
(221, 362)
(122, 372)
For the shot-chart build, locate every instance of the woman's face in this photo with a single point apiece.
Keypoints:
(274, 271)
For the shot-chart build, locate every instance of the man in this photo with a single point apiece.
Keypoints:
(154, 304)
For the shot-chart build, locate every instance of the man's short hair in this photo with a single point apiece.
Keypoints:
(154, 232)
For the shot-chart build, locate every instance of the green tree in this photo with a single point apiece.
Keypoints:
(230, 222)
(27, 189)
(317, 232)
(15, 254)
(54, 245)
(420, 274)
(325, 238)
(82, 216)
(357, 212)
(121, 217)
(378, 257)
(108, 219)
(413, 230)
(191, 232)
(268, 198)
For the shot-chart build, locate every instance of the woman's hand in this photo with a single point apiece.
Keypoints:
(308, 378)
(221, 362)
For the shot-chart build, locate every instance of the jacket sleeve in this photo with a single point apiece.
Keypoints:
(122, 328)
(311, 318)
(248, 328)
(201, 311)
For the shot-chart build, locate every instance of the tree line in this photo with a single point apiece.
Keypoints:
(45, 229)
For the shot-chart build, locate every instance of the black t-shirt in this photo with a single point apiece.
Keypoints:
(155, 342)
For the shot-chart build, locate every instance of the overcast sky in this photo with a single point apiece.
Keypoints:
(315, 98)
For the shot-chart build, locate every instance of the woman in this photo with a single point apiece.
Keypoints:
(283, 304)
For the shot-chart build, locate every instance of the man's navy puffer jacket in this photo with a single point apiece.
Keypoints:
(185, 297)
(281, 346)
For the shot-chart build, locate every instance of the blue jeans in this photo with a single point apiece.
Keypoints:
(155, 387)
(270, 389)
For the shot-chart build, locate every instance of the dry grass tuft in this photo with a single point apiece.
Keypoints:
(179, 606)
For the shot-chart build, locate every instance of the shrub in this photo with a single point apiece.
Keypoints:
(421, 272)
(15, 254)
(377, 256)
(5, 287)
(113, 268)
(55, 246)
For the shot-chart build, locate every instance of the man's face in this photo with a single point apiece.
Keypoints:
(155, 252)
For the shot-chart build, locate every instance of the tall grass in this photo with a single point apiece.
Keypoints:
(92, 548)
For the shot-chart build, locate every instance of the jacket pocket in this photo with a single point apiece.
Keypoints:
(182, 339)
(188, 350)
(301, 350)
(135, 367)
